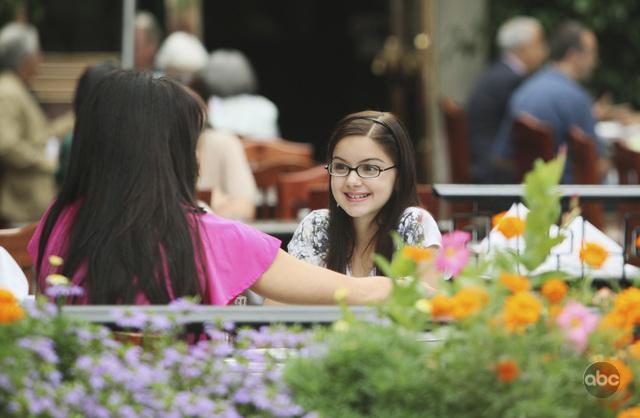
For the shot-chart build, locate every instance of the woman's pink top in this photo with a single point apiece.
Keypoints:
(235, 255)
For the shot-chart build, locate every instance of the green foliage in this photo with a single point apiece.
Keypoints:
(613, 25)
(369, 371)
(543, 202)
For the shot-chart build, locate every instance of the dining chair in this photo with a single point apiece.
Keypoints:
(260, 151)
(15, 241)
(293, 190)
(457, 134)
(585, 159)
(531, 139)
(266, 174)
(627, 164)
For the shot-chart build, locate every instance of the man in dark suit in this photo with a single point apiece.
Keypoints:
(522, 42)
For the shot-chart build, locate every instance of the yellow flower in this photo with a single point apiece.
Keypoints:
(341, 325)
(441, 306)
(634, 350)
(55, 261)
(625, 373)
(57, 280)
(630, 413)
(7, 298)
(593, 254)
(468, 301)
(423, 305)
(495, 219)
(417, 254)
(10, 313)
(554, 290)
(520, 310)
(507, 371)
(515, 282)
(511, 226)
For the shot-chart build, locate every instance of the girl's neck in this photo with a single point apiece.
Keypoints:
(362, 259)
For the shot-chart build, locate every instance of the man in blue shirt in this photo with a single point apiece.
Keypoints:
(555, 97)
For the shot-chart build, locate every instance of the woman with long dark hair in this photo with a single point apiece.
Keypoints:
(372, 193)
(126, 223)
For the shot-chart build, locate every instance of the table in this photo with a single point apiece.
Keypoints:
(281, 229)
(276, 227)
(479, 192)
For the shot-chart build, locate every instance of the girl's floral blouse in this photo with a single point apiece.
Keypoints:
(310, 241)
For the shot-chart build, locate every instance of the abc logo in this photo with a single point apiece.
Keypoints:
(601, 379)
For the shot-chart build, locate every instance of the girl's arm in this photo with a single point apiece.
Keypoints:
(293, 281)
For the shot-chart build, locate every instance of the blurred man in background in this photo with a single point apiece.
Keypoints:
(26, 136)
(148, 37)
(522, 42)
(554, 96)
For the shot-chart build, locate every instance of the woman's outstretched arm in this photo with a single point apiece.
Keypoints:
(293, 281)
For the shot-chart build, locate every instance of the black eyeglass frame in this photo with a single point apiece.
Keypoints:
(380, 170)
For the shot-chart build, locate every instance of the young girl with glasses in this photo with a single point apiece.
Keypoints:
(126, 223)
(372, 192)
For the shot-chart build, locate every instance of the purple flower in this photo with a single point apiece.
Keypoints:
(63, 291)
(184, 305)
(41, 346)
(129, 318)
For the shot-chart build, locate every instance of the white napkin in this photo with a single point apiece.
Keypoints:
(566, 255)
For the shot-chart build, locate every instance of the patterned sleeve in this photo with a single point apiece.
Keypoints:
(310, 241)
(417, 227)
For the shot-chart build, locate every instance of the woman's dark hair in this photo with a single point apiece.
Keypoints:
(387, 130)
(88, 80)
(132, 172)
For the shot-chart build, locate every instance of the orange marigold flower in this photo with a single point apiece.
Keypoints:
(554, 311)
(507, 371)
(495, 219)
(417, 254)
(515, 282)
(468, 301)
(638, 242)
(634, 350)
(510, 226)
(10, 313)
(7, 298)
(625, 373)
(520, 310)
(554, 290)
(441, 306)
(593, 254)
(630, 413)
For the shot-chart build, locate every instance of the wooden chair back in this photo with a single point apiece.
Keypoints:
(293, 190)
(457, 133)
(15, 241)
(531, 139)
(585, 160)
(627, 163)
(267, 173)
(260, 151)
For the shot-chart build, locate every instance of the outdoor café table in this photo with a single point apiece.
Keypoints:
(281, 229)
(514, 192)
(478, 193)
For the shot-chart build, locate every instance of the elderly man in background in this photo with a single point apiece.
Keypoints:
(26, 185)
(522, 42)
(148, 36)
(555, 97)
